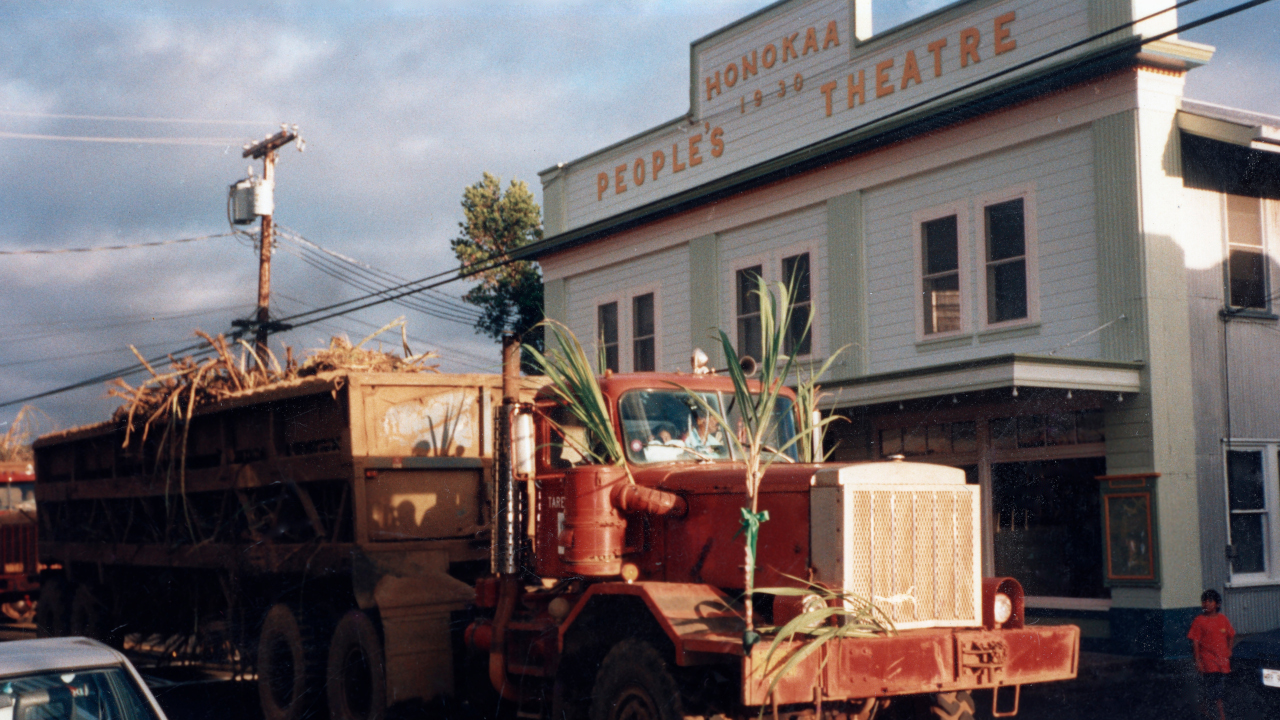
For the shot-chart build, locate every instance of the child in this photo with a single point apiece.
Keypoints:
(1211, 638)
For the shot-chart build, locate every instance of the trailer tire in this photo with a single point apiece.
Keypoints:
(634, 684)
(357, 676)
(952, 706)
(291, 663)
(53, 609)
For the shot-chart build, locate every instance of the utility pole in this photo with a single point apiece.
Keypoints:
(265, 150)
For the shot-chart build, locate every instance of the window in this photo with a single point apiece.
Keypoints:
(1253, 491)
(607, 334)
(940, 245)
(748, 310)
(1006, 262)
(1246, 253)
(795, 273)
(642, 333)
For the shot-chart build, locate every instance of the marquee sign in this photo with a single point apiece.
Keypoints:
(795, 74)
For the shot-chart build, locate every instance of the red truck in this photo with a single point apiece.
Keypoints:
(368, 539)
(18, 585)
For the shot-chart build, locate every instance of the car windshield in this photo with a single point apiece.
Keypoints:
(102, 694)
(670, 426)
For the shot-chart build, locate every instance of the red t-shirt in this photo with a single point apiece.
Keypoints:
(1214, 634)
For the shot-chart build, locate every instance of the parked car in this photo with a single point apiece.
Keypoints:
(1258, 655)
(71, 678)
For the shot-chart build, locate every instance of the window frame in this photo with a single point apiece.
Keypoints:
(960, 209)
(1270, 450)
(738, 265)
(1264, 230)
(771, 269)
(631, 326)
(626, 324)
(791, 251)
(1031, 254)
(597, 339)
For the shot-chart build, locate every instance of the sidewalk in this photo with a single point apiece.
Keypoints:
(1116, 686)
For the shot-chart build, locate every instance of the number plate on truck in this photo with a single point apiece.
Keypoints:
(1271, 678)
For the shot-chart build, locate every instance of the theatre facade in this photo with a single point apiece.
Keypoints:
(1036, 259)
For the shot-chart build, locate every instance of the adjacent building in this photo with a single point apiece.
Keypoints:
(1038, 261)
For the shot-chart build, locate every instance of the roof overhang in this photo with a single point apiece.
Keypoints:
(1236, 127)
(994, 373)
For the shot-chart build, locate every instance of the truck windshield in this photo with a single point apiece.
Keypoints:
(670, 426)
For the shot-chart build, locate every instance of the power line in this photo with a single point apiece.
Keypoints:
(372, 280)
(103, 248)
(120, 118)
(207, 142)
(449, 300)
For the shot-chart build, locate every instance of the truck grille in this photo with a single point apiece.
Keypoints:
(909, 547)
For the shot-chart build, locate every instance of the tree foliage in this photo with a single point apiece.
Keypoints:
(509, 296)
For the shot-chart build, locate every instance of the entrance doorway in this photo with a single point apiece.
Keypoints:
(1045, 526)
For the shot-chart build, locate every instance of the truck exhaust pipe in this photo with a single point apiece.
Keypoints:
(505, 560)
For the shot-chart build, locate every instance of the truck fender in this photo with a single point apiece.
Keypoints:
(697, 618)
(417, 644)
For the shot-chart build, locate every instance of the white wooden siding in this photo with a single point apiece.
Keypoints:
(666, 274)
(1060, 168)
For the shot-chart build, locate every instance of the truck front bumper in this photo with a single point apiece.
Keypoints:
(912, 662)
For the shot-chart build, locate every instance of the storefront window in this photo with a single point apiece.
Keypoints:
(1046, 526)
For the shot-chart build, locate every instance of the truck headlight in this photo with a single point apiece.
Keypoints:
(1001, 608)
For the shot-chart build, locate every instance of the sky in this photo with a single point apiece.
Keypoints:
(401, 105)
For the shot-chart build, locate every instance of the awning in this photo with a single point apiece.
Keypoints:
(1235, 127)
(994, 373)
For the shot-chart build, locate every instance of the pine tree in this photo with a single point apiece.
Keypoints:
(509, 296)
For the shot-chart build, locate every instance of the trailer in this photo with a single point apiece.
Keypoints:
(366, 540)
(19, 569)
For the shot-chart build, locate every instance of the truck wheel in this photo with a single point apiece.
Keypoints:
(634, 684)
(952, 706)
(290, 667)
(52, 609)
(357, 678)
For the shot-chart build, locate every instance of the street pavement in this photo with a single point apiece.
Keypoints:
(1109, 687)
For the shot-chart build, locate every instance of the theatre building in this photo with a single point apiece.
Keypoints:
(1044, 265)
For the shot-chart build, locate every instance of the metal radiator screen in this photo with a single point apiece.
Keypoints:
(914, 554)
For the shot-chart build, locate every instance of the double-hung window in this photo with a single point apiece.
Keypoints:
(607, 334)
(1253, 523)
(1246, 253)
(1006, 261)
(747, 306)
(642, 333)
(940, 255)
(795, 274)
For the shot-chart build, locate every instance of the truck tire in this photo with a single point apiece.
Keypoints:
(952, 706)
(634, 684)
(291, 662)
(53, 609)
(357, 676)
